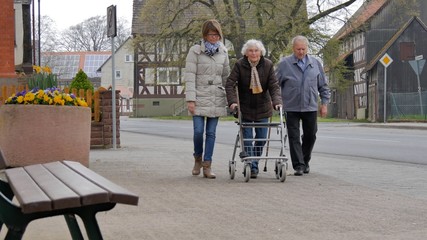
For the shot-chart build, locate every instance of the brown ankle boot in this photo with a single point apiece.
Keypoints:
(207, 172)
(197, 165)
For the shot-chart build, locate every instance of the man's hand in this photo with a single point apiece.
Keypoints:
(191, 107)
(323, 110)
(277, 107)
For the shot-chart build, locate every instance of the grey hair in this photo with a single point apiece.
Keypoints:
(300, 38)
(253, 43)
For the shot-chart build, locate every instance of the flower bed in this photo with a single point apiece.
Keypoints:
(49, 96)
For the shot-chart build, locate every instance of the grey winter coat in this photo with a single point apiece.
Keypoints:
(205, 78)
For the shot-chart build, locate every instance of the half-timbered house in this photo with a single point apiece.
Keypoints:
(384, 44)
(158, 85)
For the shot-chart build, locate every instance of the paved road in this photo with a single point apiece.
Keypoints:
(345, 139)
(342, 198)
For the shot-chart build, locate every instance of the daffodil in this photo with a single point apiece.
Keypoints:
(38, 69)
(42, 78)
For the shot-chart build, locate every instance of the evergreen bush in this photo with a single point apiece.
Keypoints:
(81, 81)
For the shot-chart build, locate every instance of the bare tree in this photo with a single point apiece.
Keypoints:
(275, 22)
(91, 35)
(48, 34)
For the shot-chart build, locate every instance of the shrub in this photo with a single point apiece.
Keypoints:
(81, 81)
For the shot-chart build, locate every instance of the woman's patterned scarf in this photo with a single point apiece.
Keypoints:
(211, 49)
(255, 83)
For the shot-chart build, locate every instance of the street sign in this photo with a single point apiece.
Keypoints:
(417, 65)
(111, 21)
(386, 60)
(111, 33)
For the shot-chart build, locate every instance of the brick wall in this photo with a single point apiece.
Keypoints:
(7, 39)
(102, 132)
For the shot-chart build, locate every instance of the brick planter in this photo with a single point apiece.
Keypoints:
(41, 133)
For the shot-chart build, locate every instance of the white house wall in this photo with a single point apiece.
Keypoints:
(19, 35)
(126, 69)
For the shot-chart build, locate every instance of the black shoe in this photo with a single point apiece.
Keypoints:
(254, 173)
(307, 169)
(298, 172)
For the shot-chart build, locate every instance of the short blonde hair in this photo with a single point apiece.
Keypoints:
(253, 43)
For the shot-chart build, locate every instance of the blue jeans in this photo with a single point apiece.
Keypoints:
(199, 129)
(254, 148)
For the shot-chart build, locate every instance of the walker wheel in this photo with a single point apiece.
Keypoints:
(283, 174)
(232, 169)
(247, 172)
(276, 169)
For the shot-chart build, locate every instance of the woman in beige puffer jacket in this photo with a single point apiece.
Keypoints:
(206, 71)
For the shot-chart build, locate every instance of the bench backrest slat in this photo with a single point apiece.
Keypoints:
(89, 192)
(118, 194)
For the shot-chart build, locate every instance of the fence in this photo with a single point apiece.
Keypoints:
(92, 99)
(408, 106)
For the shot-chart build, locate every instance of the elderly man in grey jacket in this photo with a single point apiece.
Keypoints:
(302, 81)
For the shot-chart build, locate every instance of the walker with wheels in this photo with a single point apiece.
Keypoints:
(272, 143)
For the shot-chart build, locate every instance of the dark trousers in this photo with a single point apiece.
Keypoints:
(301, 152)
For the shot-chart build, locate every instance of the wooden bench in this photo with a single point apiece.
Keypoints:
(58, 188)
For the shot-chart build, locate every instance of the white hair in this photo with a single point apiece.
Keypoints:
(253, 43)
(300, 38)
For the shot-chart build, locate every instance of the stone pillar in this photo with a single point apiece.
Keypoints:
(7, 41)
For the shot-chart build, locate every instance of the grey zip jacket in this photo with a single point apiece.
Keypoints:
(301, 89)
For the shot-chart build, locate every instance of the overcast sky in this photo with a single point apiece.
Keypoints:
(69, 13)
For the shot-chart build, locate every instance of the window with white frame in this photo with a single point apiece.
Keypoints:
(162, 76)
(128, 58)
(168, 75)
(118, 74)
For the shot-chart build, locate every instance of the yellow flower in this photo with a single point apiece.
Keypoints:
(40, 93)
(68, 98)
(57, 99)
(81, 102)
(29, 97)
(47, 69)
(38, 69)
(20, 99)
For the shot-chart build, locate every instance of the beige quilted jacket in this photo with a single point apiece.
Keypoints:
(205, 78)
